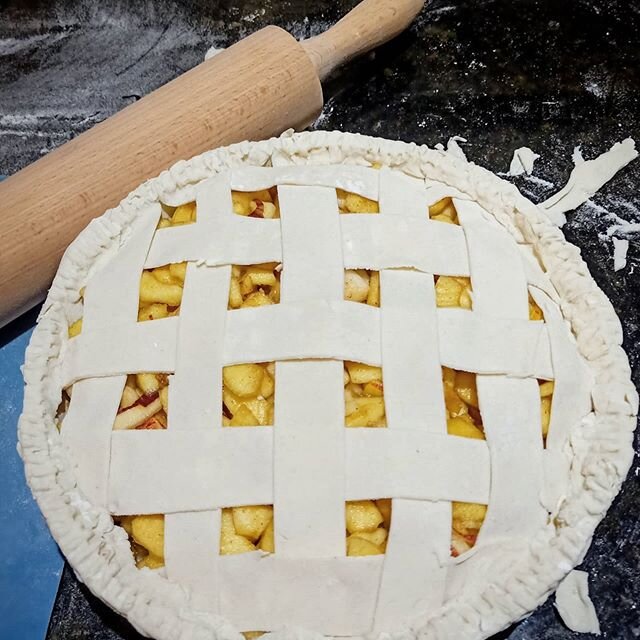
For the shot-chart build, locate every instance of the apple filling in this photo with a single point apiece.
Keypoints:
(256, 204)
(144, 402)
(161, 291)
(177, 216)
(254, 285)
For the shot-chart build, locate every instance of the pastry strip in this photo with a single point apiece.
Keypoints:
(402, 195)
(195, 402)
(191, 543)
(571, 401)
(254, 241)
(432, 465)
(336, 595)
(87, 432)
(510, 408)
(308, 456)
(234, 466)
(471, 341)
(392, 242)
(182, 470)
(368, 241)
(414, 572)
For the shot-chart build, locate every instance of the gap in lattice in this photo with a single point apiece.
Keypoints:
(466, 521)
(256, 204)
(144, 403)
(76, 313)
(453, 291)
(363, 395)
(254, 285)
(444, 211)
(248, 394)
(63, 407)
(368, 526)
(161, 291)
(349, 202)
(73, 330)
(177, 216)
(247, 528)
(546, 386)
(362, 285)
(146, 538)
(367, 521)
(546, 400)
(463, 420)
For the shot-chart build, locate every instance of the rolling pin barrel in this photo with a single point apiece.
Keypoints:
(255, 89)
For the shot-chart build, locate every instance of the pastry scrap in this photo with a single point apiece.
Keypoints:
(249, 389)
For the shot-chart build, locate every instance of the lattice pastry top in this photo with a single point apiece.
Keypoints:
(482, 362)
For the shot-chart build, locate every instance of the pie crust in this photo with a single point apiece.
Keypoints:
(544, 501)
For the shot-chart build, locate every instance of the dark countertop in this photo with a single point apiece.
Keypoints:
(500, 73)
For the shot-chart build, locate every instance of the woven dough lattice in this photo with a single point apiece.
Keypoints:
(307, 465)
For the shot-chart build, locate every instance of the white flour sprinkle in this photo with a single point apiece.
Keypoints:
(10, 46)
(213, 51)
(326, 112)
(539, 181)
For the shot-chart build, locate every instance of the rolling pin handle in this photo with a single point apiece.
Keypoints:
(370, 24)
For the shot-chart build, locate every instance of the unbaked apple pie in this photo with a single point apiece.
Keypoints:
(329, 383)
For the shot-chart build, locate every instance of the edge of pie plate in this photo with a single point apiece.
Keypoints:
(599, 448)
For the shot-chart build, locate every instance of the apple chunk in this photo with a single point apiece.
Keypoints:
(243, 380)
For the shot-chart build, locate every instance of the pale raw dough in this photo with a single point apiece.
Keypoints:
(309, 438)
(522, 162)
(510, 407)
(340, 329)
(222, 467)
(197, 466)
(366, 242)
(454, 148)
(508, 574)
(624, 228)
(572, 378)
(419, 540)
(620, 248)
(574, 605)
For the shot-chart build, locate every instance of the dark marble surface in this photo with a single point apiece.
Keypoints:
(501, 73)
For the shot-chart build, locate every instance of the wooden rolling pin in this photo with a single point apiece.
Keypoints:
(255, 89)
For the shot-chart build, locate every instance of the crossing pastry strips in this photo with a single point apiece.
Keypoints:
(248, 389)
(334, 397)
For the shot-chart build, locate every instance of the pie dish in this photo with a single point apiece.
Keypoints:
(305, 285)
